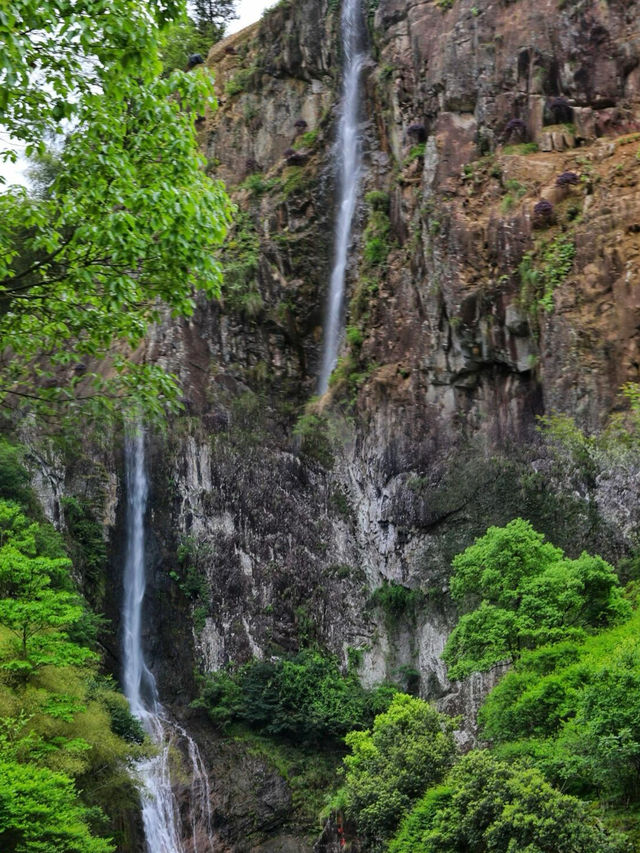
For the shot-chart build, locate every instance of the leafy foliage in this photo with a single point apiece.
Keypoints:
(317, 437)
(409, 748)
(489, 806)
(522, 592)
(574, 708)
(130, 220)
(542, 271)
(65, 733)
(34, 605)
(396, 601)
(39, 811)
(304, 698)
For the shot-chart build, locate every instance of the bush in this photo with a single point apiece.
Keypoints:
(574, 709)
(489, 806)
(396, 601)
(409, 748)
(305, 698)
(378, 200)
(522, 592)
(376, 235)
(316, 436)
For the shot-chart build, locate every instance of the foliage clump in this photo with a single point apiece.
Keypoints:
(376, 233)
(491, 806)
(521, 592)
(409, 748)
(543, 270)
(396, 601)
(304, 698)
(316, 437)
(574, 708)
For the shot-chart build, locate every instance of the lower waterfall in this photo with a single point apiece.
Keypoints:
(164, 829)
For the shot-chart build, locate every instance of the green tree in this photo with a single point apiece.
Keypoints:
(304, 698)
(489, 806)
(574, 710)
(35, 612)
(40, 813)
(409, 748)
(522, 592)
(212, 17)
(130, 221)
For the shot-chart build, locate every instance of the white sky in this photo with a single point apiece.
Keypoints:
(249, 12)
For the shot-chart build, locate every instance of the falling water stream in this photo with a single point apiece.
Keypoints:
(163, 829)
(348, 151)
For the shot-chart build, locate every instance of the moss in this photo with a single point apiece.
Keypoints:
(295, 179)
(308, 139)
(316, 437)
(237, 84)
(523, 148)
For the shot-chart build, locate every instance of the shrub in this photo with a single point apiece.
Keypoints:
(567, 179)
(304, 698)
(490, 806)
(316, 437)
(396, 600)
(522, 592)
(378, 200)
(574, 709)
(409, 748)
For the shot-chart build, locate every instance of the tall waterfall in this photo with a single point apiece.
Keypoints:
(163, 829)
(348, 151)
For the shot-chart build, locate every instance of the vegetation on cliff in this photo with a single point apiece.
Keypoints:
(66, 734)
(561, 724)
(304, 698)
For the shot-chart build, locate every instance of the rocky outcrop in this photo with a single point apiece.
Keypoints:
(464, 332)
(273, 520)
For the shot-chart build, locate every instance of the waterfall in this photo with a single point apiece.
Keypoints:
(348, 157)
(160, 812)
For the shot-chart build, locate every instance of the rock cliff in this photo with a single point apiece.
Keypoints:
(473, 308)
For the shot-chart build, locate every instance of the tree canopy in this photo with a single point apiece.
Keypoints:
(409, 748)
(130, 221)
(490, 806)
(522, 592)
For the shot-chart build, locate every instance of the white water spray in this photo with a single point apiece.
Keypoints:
(348, 151)
(160, 813)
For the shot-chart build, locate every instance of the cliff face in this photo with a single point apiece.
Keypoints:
(469, 315)
(463, 328)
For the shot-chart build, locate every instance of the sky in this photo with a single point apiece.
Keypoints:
(249, 11)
